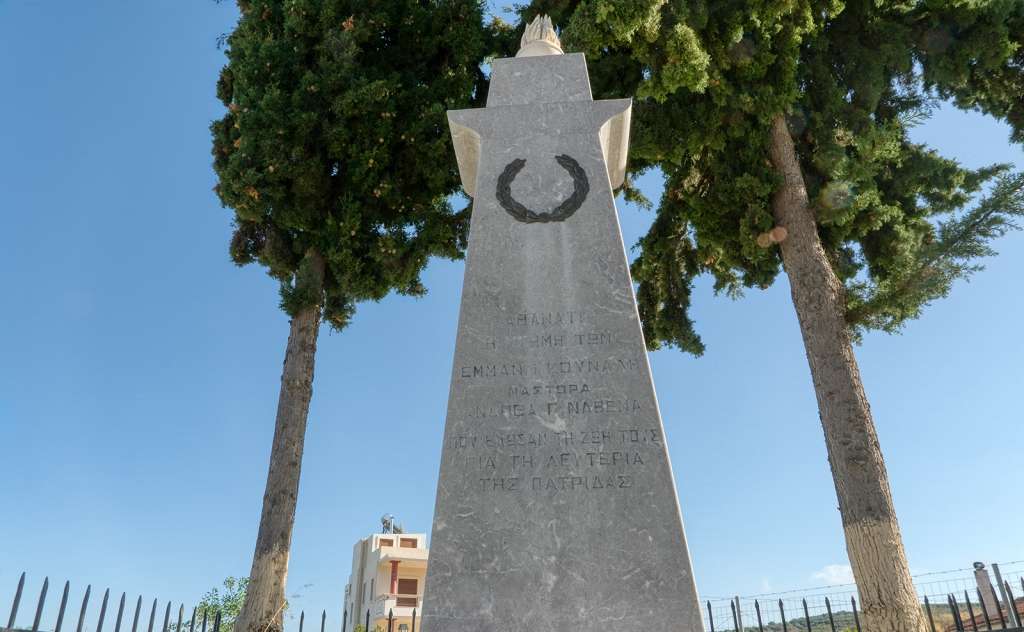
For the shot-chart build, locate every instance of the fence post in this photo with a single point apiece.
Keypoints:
(831, 619)
(367, 628)
(782, 611)
(711, 617)
(391, 618)
(1004, 590)
(984, 610)
(739, 615)
(323, 621)
(344, 619)
(216, 622)
(39, 606)
(999, 611)
(192, 621)
(856, 619)
(302, 620)
(181, 615)
(807, 616)
(735, 622)
(152, 616)
(414, 620)
(757, 609)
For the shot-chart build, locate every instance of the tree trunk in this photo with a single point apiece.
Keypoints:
(873, 540)
(264, 603)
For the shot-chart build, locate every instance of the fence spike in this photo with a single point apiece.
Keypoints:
(85, 605)
(984, 611)
(17, 601)
(856, 619)
(302, 619)
(344, 619)
(152, 616)
(735, 621)
(204, 619)
(807, 616)
(711, 617)
(181, 615)
(103, 610)
(414, 620)
(1012, 603)
(928, 610)
(120, 613)
(970, 612)
(999, 611)
(954, 605)
(391, 619)
(192, 621)
(323, 621)
(216, 622)
(367, 627)
(138, 610)
(782, 612)
(63, 605)
(39, 606)
(167, 618)
(757, 609)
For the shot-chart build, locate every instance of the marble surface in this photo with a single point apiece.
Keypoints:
(556, 506)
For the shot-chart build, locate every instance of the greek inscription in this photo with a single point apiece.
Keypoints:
(546, 319)
(551, 390)
(554, 369)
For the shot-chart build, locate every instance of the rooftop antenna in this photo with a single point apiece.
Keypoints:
(387, 523)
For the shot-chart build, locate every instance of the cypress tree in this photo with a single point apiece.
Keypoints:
(782, 128)
(335, 157)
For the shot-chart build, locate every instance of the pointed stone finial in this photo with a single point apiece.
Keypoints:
(539, 39)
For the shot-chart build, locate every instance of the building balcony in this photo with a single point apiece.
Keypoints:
(409, 557)
(400, 605)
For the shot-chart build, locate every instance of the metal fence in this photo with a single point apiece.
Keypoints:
(952, 603)
(206, 619)
(201, 620)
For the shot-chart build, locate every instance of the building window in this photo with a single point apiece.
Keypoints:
(407, 543)
(385, 542)
(407, 586)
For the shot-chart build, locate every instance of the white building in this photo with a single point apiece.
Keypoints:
(388, 570)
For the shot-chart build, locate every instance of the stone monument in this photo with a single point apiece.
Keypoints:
(556, 506)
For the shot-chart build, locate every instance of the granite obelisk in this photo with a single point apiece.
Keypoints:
(556, 505)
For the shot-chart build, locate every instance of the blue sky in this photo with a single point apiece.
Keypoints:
(139, 368)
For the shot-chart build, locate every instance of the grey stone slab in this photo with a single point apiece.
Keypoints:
(556, 506)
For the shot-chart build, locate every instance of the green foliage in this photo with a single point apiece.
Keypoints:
(854, 77)
(227, 601)
(334, 151)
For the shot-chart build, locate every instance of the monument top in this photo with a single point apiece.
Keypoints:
(539, 38)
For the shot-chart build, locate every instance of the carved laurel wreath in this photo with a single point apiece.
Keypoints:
(562, 212)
